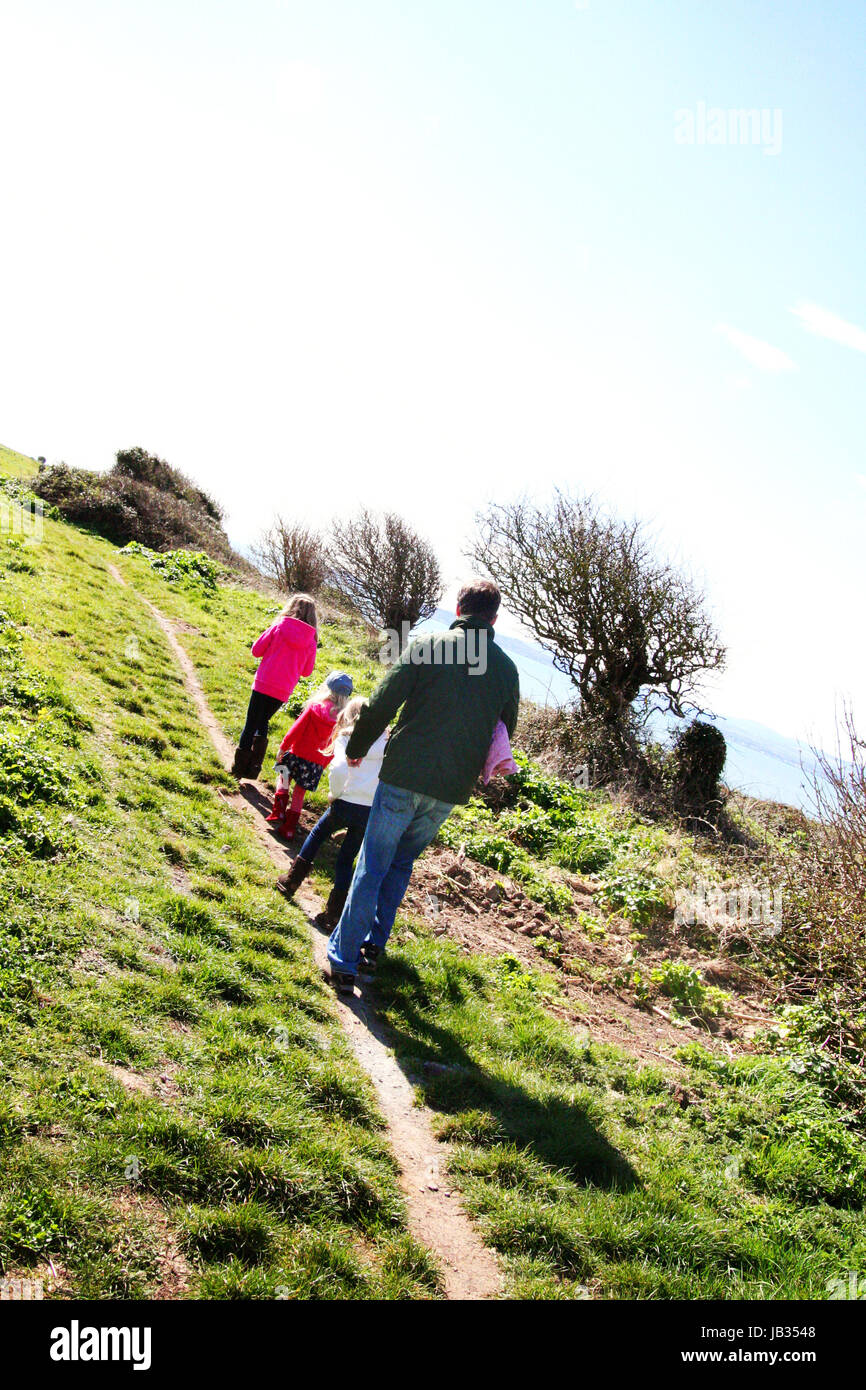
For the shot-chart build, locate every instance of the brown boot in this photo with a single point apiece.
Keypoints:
(241, 764)
(289, 883)
(334, 907)
(257, 756)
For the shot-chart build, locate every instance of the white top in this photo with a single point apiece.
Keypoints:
(356, 784)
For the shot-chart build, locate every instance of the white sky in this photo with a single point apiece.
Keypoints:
(423, 256)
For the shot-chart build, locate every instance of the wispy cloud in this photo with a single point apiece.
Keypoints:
(760, 354)
(828, 325)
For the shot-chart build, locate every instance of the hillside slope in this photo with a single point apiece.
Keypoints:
(181, 1115)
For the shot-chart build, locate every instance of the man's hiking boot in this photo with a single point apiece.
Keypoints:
(369, 957)
(342, 982)
(334, 907)
(241, 763)
(289, 883)
(257, 756)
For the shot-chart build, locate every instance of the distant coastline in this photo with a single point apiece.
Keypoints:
(761, 762)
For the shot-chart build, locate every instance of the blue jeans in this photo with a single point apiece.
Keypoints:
(401, 826)
(340, 815)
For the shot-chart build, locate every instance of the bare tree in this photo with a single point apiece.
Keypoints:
(293, 556)
(822, 865)
(388, 571)
(617, 620)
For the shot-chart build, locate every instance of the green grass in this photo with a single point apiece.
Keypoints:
(589, 1177)
(140, 938)
(579, 1164)
(13, 465)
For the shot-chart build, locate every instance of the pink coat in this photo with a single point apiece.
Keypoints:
(499, 759)
(287, 651)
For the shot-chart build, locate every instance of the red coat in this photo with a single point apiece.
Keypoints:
(309, 734)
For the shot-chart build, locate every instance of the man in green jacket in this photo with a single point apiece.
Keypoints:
(453, 687)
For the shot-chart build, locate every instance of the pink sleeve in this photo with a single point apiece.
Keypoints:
(307, 668)
(261, 644)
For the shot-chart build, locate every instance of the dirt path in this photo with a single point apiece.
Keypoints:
(435, 1214)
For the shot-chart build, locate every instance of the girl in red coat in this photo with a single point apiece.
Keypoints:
(302, 758)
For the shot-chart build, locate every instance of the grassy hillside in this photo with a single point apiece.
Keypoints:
(14, 465)
(180, 1115)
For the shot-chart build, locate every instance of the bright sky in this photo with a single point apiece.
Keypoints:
(421, 254)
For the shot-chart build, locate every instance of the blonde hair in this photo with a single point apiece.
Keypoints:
(346, 720)
(302, 607)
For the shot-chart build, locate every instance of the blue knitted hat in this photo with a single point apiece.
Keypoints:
(339, 683)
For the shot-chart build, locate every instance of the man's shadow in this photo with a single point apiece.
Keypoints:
(561, 1133)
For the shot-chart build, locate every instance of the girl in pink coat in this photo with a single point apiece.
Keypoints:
(288, 652)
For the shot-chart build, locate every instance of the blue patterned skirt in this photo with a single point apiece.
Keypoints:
(307, 775)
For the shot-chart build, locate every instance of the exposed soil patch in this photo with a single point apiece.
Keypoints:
(174, 1271)
(489, 913)
(92, 962)
(161, 955)
(159, 1082)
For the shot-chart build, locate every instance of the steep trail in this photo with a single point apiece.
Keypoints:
(436, 1217)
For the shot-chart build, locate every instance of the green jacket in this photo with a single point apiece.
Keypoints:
(451, 706)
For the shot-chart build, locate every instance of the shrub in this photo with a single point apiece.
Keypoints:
(142, 499)
(821, 947)
(697, 761)
(616, 618)
(147, 468)
(638, 895)
(574, 744)
(190, 568)
(691, 995)
(19, 490)
(827, 1045)
(387, 570)
(293, 556)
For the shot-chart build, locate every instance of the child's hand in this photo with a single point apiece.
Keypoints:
(354, 762)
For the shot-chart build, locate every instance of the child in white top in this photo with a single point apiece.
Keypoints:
(351, 792)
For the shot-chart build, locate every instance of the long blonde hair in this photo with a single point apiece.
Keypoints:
(346, 720)
(302, 607)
